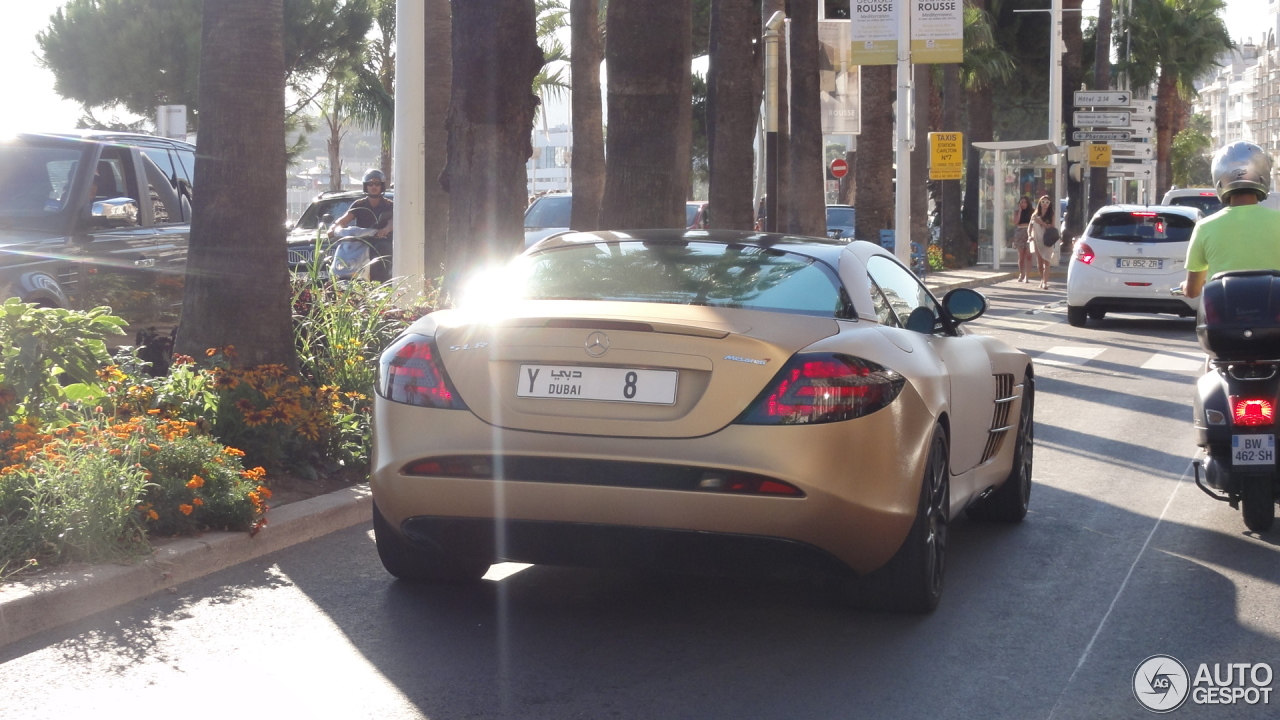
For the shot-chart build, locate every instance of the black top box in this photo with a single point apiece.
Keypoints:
(1239, 316)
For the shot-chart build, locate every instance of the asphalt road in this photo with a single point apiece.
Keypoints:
(1120, 559)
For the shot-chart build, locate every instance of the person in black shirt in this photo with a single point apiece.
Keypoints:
(372, 211)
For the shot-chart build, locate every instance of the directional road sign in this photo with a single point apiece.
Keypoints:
(1096, 98)
(1136, 149)
(1138, 171)
(1082, 118)
(1100, 135)
(946, 155)
(1142, 129)
(1143, 106)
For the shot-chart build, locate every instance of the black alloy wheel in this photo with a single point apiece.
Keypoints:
(1009, 502)
(1258, 501)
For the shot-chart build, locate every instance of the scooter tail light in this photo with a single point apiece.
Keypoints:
(817, 388)
(1084, 253)
(410, 372)
(1252, 412)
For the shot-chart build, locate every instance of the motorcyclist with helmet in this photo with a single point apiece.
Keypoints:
(373, 210)
(1244, 235)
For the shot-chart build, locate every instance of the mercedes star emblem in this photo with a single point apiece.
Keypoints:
(597, 344)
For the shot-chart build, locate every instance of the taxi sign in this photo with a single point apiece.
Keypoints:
(946, 155)
(1099, 155)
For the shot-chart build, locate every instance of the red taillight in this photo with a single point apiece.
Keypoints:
(1143, 214)
(410, 372)
(1084, 253)
(822, 388)
(746, 484)
(1208, 193)
(1252, 411)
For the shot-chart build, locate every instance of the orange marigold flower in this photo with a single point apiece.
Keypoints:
(197, 501)
(211, 352)
(264, 491)
(153, 514)
(195, 482)
(233, 451)
(185, 509)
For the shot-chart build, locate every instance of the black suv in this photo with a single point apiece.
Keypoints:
(93, 219)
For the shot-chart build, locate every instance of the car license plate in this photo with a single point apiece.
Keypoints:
(1253, 449)
(1146, 263)
(570, 382)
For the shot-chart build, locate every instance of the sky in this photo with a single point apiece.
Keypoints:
(35, 106)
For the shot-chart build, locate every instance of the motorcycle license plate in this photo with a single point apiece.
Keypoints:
(1253, 449)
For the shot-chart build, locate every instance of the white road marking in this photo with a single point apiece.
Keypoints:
(1067, 355)
(1174, 361)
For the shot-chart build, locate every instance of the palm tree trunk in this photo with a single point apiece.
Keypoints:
(734, 111)
(588, 119)
(649, 99)
(955, 243)
(1099, 186)
(1166, 109)
(438, 81)
(920, 156)
(875, 152)
(807, 211)
(491, 109)
(237, 285)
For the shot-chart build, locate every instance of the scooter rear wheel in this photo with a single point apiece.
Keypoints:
(1257, 502)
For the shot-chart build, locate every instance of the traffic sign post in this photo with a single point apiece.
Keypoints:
(946, 155)
(1103, 98)
(1100, 136)
(839, 168)
(1083, 118)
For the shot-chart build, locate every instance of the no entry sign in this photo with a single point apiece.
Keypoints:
(839, 168)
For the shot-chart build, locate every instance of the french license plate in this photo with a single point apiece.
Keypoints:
(570, 382)
(1146, 263)
(1253, 449)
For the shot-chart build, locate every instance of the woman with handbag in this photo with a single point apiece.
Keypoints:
(1044, 238)
(1022, 237)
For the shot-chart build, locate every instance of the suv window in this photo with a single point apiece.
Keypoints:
(1142, 226)
(1207, 204)
(33, 179)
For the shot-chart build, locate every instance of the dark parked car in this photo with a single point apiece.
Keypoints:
(840, 221)
(88, 221)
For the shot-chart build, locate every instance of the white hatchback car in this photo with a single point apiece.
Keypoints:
(1128, 260)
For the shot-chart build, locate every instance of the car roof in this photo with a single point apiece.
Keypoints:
(1189, 212)
(126, 138)
(824, 249)
(1191, 192)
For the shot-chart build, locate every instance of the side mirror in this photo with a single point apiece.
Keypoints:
(115, 212)
(327, 218)
(965, 304)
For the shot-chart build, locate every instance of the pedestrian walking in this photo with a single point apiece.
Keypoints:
(1022, 236)
(1043, 220)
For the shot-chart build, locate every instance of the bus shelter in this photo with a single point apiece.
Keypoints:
(1009, 170)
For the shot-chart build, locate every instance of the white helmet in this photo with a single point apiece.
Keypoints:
(1241, 166)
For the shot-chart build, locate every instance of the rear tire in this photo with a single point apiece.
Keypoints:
(1076, 315)
(912, 580)
(1008, 503)
(1257, 502)
(1096, 314)
(413, 563)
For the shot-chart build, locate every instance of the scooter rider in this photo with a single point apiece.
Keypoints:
(372, 211)
(1244, 235)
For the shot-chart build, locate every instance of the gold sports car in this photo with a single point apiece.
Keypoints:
(700, 401)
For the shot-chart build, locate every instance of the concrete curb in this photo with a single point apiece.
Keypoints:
(66, 596)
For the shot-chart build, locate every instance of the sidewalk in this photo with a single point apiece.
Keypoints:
(64, 596)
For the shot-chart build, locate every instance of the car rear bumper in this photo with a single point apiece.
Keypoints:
(861, 481)
(1094, 288)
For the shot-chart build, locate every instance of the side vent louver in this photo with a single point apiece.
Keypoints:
(1000, 417)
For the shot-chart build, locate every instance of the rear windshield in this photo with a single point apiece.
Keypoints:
(840, 216)
(1142, 227)
(693, 273)
(1208, 204)
(549, 212)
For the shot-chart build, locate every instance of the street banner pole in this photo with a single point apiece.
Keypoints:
(772, 35)
(902, 194)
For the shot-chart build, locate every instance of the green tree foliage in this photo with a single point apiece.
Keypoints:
(139, 53)
(1190, 154)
